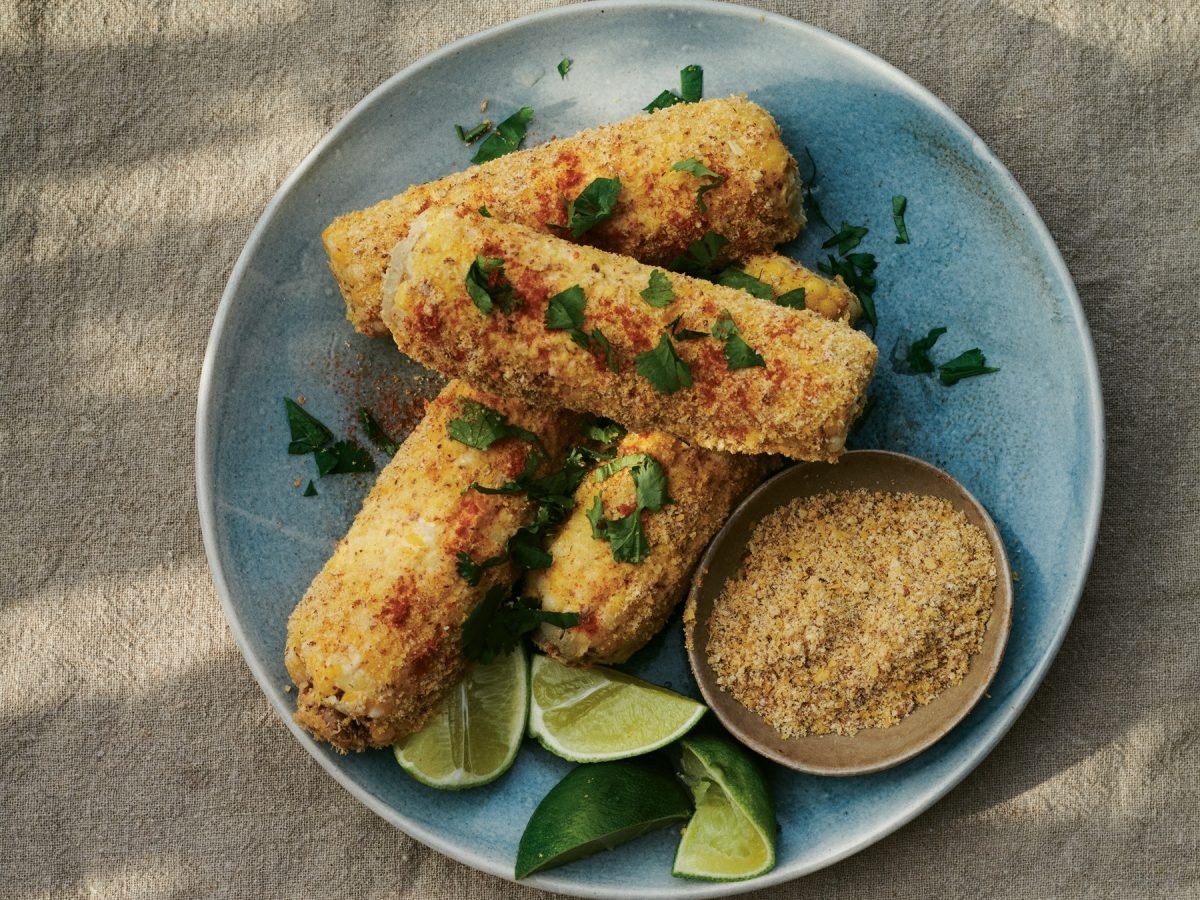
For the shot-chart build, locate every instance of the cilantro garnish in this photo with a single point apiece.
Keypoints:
(738, 354)
(811, 208)
(662, 101)
(918, 351)
(485, 212)
(899, 205)
(609, 433)
(472, 571)
(857, 271)
(470, 137)
(847, 238)
(597, 336)
(702, 255)
(564, 311)
(793, 299)
(481, 426)
(311, 490)
(498, 622)
(333, 458)
(683, 334)
(626, 535)
(375, 432)
(488, 287)
(965, 365)
(663, 368)
(596, 203)
(691, 89)
(697, 168)
(564, 66)
(659, 293)
(308, 434)
(734, 277)
(506, 138)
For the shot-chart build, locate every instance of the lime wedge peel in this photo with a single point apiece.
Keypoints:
(598, 714)
(597, 807)
(731, 836)
(475, 736)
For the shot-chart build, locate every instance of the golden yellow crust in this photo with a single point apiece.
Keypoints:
(800, 404)
(657, 217)
(375, 643)
(622, 605)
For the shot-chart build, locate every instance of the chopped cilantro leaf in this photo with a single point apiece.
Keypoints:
(470, 137)
(663, 368)
(625, 535)
(918, 351)
(488, 287)
(734, 277)
(311, 490)
(965, 365)
(625, 462)
(342, 457)
(793, 299)
(597, 336)
(481, 426)
(662, 101)
(683, 334)
(485, 212)
(691, 83)
(738, 354)
(899, 205)
(375, 432)
(857, 271)
(471, 571)
(564, 311)
(604, 434)
(564, 66)
(702, 256)
(498, 622)
(697, 168)
(847, 238)
(507, 136)
(595, 204)
(595, 515)
(650, 482)
(659, 293)
(812, 209)
(628, 538)
(525, 550)
(308, 434)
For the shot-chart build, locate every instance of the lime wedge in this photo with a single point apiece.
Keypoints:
(732, 834)
(475, 736)
(598, 807)
(597, 714)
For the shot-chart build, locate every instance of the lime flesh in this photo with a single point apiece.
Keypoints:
(475, 736)
(732, 834)
(598, 714)
(597, 807)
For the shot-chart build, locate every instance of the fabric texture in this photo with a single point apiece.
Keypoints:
(141, 141)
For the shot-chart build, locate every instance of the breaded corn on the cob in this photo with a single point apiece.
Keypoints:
(374, 645)
(800, 401)
(829, 298)
(621, 605)
(657, 215)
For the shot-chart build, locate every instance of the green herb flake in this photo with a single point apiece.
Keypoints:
(847, 238)
(691, 84)
(659, 293)
(683, 334)
(650, 483)
(738, 354)
(488, 287)
(965, 365)
(899, 205)
(734, 277)
(663, 368)
(472, 572)
(857, 271)
(808, 176)
(471, 136)
(375, 433)
(481, 426)
(595, 515)
(485, 212)
(603, 473)
(918, 351)
(596, 203)
(343, 457)
(308, 434)
(564, 66)
(702, 256)
(506, 138)
(698, 169)
(564, 311)
(625, 535)
(597, 337)
(793, 299)
(498, 622)
(662, 101)
(608, 433)
(311, 490)
(628, 538)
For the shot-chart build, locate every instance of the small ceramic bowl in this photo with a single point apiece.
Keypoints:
(872, 749)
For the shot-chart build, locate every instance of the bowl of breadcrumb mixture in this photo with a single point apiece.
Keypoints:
(849, 615)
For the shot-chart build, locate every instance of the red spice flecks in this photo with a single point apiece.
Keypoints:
(625, 509)
(425, 656)
(398, 604)
(589, 622)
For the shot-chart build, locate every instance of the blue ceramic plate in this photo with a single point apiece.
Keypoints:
(1026, 441)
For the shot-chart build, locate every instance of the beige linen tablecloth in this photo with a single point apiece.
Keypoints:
(140, 144)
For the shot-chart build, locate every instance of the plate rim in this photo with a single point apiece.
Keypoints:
(1092, 499)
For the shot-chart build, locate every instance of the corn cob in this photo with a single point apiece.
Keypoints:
(830, 299)
(621, 605)
(800, 402)
(657, 215)
(374, 645)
